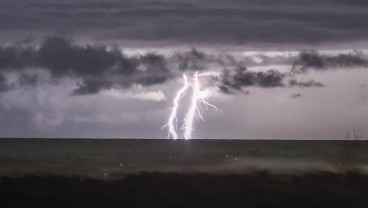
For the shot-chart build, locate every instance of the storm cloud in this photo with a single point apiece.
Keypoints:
(179, 21)
(310, 83)
(3, 86)
(97, 67)
(308, 60)
(193, 60)
(241, 77)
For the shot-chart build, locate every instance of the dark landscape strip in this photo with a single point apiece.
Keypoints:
(261, 189)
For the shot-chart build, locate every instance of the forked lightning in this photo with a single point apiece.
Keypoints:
(196, 99)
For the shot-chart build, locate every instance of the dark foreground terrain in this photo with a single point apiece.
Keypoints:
(261, 189)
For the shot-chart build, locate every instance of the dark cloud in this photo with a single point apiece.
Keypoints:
(13, 57)
(196, 60)
(310, 83)
(312, 59)
(192, 60)
(28, 79)
(3, 85)
(63, 58)
(295, 96)
(91, 86)
(183, 21)
(241, 77)
(98, 67)
(154, 62)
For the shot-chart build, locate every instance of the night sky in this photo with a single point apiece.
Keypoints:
(289, 69)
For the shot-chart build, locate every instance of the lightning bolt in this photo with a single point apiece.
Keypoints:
(198, 97)
(173, 120)
(188, 120)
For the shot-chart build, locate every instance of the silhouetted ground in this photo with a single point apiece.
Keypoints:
(260, 189)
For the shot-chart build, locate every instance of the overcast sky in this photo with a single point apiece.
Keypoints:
(289, 69)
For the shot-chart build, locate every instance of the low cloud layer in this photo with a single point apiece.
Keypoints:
(241, 77)
(98, 67)
(308, 60)
(310, 83)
